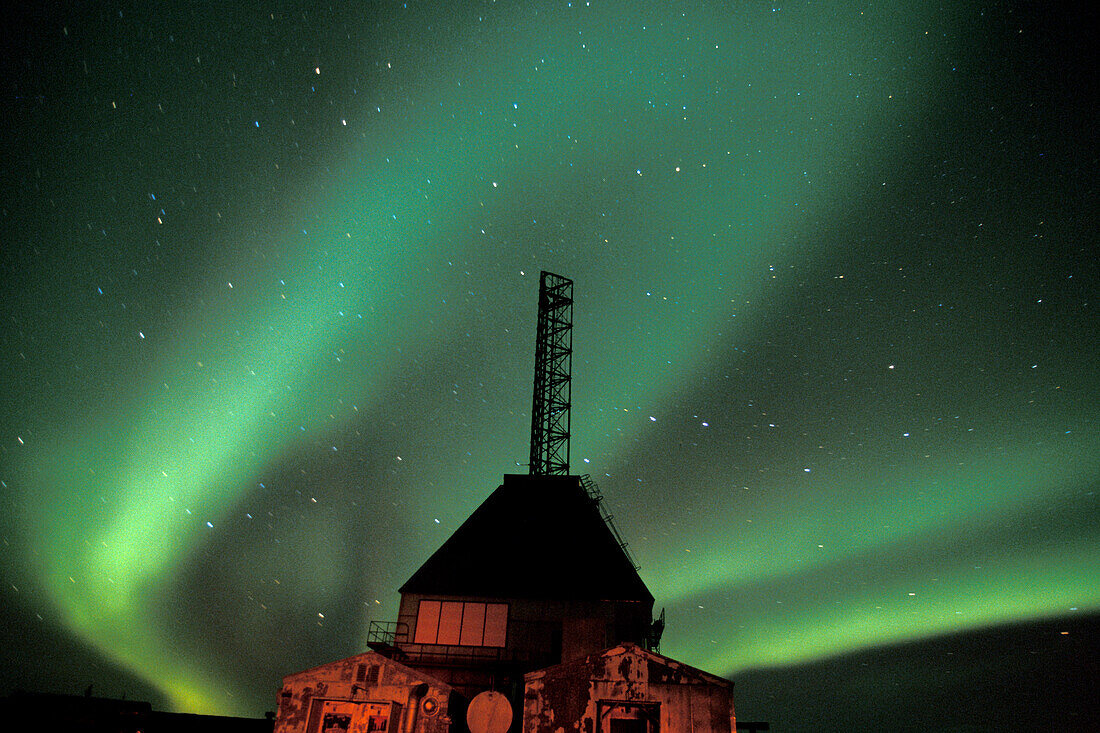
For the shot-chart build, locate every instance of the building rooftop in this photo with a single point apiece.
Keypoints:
(534, 537)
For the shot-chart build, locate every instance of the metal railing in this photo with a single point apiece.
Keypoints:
(593, 492)
(391, 639)
(387, 634)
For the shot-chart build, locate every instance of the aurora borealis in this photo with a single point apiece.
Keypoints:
(270, 277)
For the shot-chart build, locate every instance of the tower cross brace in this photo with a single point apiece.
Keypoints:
(553, 365)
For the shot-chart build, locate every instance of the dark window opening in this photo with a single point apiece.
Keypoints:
(621, 725)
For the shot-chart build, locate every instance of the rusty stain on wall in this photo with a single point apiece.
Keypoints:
(627, 683)
(364, 694)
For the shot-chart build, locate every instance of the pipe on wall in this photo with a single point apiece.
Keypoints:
(413, 709)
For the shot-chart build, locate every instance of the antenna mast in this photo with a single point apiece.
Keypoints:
(553, 364)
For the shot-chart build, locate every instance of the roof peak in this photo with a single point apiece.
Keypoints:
(535, 536)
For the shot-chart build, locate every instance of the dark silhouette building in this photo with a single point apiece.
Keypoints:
(537, 578)
(43, 711)
(533, 577)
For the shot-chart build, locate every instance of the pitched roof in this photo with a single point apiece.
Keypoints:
(660, 669)
(349, 663)
(539, 537)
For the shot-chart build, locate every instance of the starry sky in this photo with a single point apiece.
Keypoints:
(270, 275)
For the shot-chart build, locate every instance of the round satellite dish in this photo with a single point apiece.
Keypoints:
(489, 712)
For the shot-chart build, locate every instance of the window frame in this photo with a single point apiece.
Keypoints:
(450, 617)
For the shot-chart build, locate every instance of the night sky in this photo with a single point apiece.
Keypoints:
(270, 276)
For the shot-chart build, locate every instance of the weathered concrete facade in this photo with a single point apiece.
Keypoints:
(364, 694)
(534, 577)
(627, 689)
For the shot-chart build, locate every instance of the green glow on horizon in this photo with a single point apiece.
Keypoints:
(1021, 589)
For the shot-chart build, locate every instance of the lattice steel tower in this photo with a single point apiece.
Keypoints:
(553, 364)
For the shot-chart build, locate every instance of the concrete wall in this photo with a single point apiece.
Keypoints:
(364, 687)
(627, 683)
